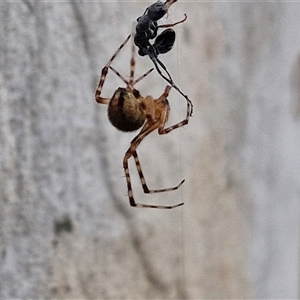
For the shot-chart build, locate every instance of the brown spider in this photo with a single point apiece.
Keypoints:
(128, 111)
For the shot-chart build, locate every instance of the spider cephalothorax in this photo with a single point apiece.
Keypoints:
(128, 110)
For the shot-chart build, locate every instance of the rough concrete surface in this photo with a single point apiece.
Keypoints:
(66, 228)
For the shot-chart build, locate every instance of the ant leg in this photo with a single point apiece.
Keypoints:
(173, 24)
(170, 81)
(168, 3)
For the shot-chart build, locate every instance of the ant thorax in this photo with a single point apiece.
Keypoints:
(124, 111)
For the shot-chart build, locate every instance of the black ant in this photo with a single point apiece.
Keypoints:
(146, 29)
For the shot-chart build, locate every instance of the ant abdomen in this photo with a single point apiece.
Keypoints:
(165, 41)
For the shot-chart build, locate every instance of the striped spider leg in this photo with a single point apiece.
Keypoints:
(129, 111)
(157, 112)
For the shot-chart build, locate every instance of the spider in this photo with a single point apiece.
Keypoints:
(128, 111)
(146, 29)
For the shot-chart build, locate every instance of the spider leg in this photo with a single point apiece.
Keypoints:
(173, 24)
(104, 72)
(126, 81)
(119, 75)
(143, 181)
(132, 64)
(132, 152)
(164, 116)
(142, 77)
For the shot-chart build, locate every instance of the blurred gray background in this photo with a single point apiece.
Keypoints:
(66, 228)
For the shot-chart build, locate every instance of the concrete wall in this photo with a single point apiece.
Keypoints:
(66, 228)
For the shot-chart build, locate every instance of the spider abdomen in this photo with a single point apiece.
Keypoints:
(124, 111)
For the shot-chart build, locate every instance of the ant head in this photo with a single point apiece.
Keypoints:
(156, 11)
